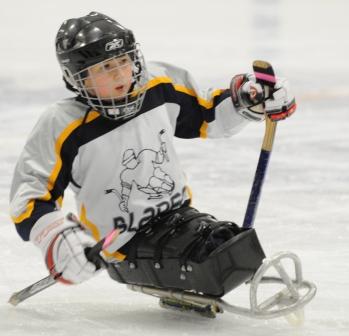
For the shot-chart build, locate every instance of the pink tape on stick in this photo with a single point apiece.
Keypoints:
(266, 77)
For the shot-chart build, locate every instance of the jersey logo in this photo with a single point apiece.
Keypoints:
(144, 172)
(115, 44)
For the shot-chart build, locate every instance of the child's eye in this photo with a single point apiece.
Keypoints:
(123, 61)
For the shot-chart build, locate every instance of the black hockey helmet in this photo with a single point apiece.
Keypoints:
(92, 39)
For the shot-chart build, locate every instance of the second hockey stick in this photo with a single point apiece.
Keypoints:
(92, 254)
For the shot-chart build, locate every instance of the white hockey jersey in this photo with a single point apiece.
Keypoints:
(123, 173)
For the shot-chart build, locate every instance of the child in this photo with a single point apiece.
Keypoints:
(113, 144)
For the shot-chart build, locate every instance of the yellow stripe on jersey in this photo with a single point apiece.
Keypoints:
(96, 234)
(26, 214)
(153, 82)
(29, 209)
(158, 80)
(60, 201)
(203, 102)
(203, 130)
(59, 143)
(181, 88)
(189, 193)
(208, 104)
(89, 225)
(54, 174)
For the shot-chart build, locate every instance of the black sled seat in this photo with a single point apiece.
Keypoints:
(229, 265)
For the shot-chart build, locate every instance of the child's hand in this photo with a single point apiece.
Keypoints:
(282, 103)
(62, 242)
(253, 101)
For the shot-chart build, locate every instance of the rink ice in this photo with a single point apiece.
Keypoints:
(304, 204)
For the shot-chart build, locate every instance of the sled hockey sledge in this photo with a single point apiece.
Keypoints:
(199, 288)
(288, 302)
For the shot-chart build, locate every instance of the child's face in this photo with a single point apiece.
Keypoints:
(110, 79)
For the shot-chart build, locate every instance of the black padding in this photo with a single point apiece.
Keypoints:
(214, 273)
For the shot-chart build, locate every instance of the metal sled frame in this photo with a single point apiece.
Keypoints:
(296, 294)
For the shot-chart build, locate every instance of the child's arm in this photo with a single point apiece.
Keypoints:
(213, 113)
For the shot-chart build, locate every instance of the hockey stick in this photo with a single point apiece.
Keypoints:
(92, 254)
(265, 76)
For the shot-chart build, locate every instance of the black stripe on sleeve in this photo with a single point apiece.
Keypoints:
(40, 208)
(192, 114)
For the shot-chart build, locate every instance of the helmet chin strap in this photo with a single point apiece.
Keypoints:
(70, 87)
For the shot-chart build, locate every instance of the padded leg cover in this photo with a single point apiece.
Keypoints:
(177, 253)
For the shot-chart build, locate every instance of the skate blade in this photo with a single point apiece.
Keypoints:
(207, 311)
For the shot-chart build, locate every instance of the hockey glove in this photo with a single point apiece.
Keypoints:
(282, 103)
(63, 243)
(253, 101)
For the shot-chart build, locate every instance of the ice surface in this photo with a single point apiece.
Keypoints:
(304, 205)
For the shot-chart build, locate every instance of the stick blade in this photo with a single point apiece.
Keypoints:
(13, 300)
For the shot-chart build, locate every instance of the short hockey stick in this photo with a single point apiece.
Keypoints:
(92, 255)
(265, 76)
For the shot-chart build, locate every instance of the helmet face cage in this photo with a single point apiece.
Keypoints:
(120, 95)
